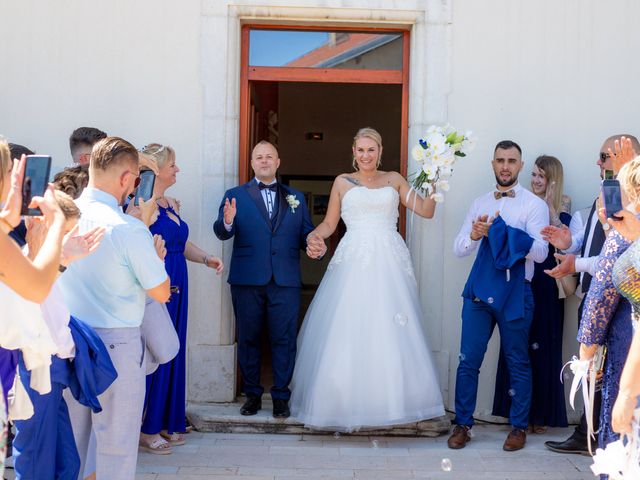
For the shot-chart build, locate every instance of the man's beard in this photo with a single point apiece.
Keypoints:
(508, 183)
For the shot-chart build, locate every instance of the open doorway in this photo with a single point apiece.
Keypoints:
(308, 90)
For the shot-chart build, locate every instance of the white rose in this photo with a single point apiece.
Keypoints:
(418, 154)
(429, 169)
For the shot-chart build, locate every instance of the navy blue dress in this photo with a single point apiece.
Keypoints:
(545, 351)
(165, 402)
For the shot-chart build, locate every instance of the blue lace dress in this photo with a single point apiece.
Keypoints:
(606, 320)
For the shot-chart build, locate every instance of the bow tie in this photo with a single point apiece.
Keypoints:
(273, 187)
(509, 193)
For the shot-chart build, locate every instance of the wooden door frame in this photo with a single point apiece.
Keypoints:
(320, 75)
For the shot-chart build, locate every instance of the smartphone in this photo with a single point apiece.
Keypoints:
(35, 181)
(145, 188)
(611, 197)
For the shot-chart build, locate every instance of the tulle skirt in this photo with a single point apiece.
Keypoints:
(363, 359)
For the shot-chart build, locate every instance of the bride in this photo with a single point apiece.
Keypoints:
(363, 358)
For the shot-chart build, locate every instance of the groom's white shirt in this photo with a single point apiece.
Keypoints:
(524, 211)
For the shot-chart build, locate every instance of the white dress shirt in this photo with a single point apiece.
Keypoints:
(524, 211)
(579, 236)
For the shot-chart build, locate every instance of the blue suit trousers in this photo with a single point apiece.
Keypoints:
(275, 308)
(478, 322)
(44, 447)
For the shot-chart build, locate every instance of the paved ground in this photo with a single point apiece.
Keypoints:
(226, 456)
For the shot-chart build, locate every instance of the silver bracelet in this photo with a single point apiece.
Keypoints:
(205, 259)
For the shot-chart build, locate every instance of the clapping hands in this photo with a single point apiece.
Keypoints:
(559, 237)
(480, 227)
(75, 247)
(316, 248)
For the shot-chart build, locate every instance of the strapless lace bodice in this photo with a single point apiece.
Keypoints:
(370, 208)
(371, 216)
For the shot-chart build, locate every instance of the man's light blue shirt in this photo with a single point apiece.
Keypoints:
(107, 288)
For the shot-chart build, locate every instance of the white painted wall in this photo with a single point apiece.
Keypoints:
(555, 75)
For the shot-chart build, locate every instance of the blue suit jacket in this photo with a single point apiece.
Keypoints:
(497, 275)
(92, 371)
(262, 250)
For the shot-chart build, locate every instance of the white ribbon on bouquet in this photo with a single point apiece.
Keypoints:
(583, 377)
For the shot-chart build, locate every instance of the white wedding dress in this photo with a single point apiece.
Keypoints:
(363, 359)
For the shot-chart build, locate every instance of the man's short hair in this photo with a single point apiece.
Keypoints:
(84, 137)
(18, 150)
(112, 151)
(506, 145)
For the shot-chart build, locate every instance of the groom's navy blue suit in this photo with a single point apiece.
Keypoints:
(265, 280)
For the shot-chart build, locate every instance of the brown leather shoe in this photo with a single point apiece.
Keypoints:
(459, 437)
(515, 440)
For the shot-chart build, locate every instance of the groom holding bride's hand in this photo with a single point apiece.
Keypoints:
(271, 224)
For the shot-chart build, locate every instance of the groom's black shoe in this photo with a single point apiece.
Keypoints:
(251, 406)
(280, 408)
(573, 444)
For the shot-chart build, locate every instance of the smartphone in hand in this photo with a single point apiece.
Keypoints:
(145, 188)
(611, 197)
(35, 181)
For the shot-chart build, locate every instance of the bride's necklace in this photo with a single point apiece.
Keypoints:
(368, 179)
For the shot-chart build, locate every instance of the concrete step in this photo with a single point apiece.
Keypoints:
(226, 418)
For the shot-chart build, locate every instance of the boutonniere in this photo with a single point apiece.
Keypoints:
(293, 202)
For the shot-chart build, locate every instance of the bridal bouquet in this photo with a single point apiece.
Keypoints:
(436, 154)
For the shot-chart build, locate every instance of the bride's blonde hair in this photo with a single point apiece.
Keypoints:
(371, 134)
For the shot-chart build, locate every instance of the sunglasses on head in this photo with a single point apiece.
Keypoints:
(157, 151)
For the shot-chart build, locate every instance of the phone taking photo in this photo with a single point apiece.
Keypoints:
(35, 181)
(145, 187)
(611, 197)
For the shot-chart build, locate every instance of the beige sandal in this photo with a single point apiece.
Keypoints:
(158, 446)
(175, 439)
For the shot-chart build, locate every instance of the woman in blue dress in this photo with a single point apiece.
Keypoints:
(548, 407)
(164, 416)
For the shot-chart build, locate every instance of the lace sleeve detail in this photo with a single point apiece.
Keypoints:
(602, 298)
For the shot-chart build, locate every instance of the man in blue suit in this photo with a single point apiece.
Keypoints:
(270, 223)
(504, 226)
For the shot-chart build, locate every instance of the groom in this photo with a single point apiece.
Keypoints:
(504, 225)
(270, 223)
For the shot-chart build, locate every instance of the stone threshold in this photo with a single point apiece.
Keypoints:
(226, 418)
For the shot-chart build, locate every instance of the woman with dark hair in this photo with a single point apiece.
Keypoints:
(548, 407)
